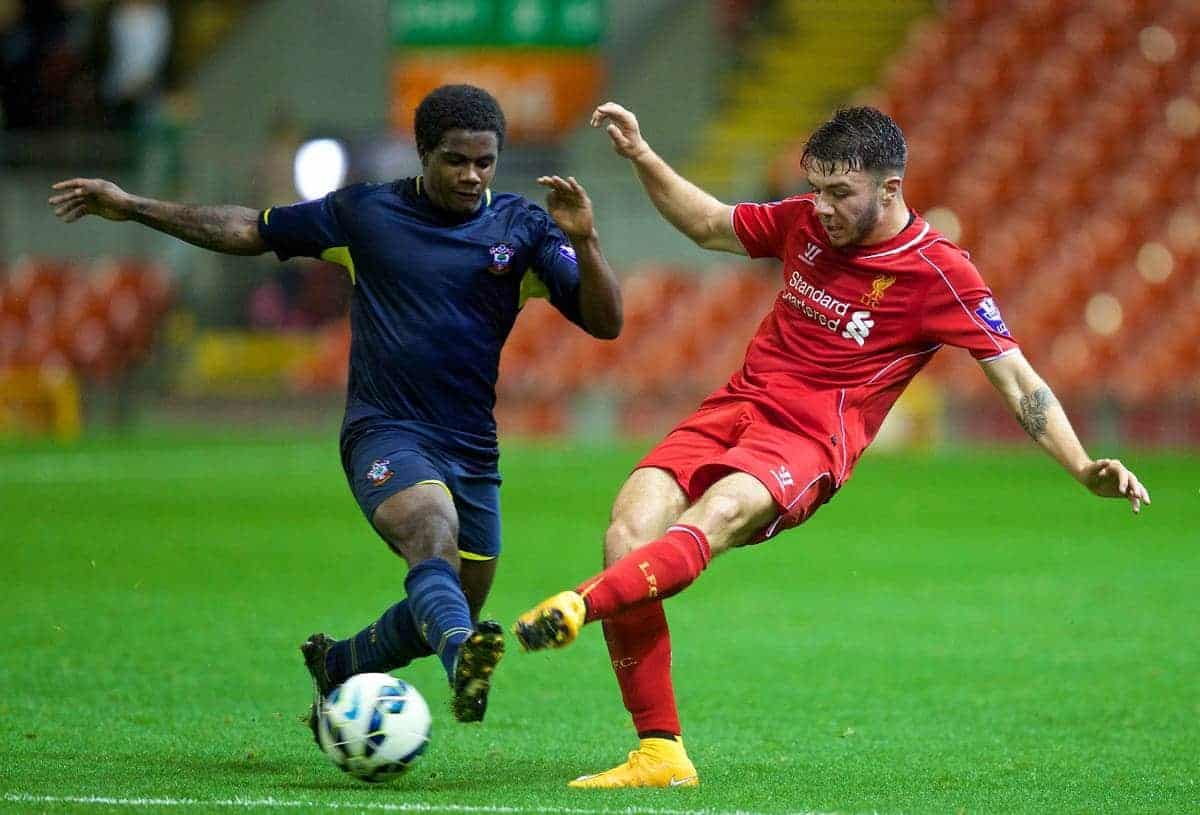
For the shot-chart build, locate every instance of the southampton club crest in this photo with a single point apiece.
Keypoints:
(502, 255)
(380, 472)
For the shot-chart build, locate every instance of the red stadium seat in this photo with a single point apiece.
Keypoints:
(101, 323)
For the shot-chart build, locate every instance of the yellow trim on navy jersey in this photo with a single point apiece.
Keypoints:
(532, 286)
(419, 184)
(267, 215)
(341, 256)
(441, 484)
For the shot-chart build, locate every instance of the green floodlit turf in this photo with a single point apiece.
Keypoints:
(952, 633)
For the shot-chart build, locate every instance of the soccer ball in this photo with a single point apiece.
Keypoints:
(374, 726)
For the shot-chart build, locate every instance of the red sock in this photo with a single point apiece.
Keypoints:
(655, 572)
(639, 643)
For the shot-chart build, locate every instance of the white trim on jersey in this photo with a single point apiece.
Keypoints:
(842, 437)
(733, 226)
(842, 401)
(775, 523)
(1001, 355)
(970, 314)
(899, 249)
(882, 370)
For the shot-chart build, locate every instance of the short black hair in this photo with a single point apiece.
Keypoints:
(454, 107)
(859, 138)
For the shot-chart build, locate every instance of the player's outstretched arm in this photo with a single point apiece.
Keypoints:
(688, 208)
(599, 292)
(1033, 403)
(229, 229)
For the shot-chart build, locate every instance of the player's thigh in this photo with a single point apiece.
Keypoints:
(661, 487)
(649, 501)
(419, 523)
(699, 439)
(770, 481)
(732, 511)
(401, 489)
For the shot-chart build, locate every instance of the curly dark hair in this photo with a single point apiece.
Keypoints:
(452, 107)
(859, 138)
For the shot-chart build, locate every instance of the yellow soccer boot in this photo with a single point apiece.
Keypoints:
(552, 623)
(656, 763)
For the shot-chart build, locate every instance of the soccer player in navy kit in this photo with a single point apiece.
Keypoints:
(441, 266)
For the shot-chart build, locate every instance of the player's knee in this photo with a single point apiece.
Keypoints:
(616, 543)
(721, 513)
(439, 547)
(420, 535)
(624, 535)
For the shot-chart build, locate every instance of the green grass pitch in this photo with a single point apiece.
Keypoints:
(955, 633)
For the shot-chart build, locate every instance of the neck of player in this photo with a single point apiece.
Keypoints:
(893, 220)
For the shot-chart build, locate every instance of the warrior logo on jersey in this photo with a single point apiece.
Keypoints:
(878, 286)
(502, 255)
(784, 476)
(380, 472)
(990, 313)
(567, 253)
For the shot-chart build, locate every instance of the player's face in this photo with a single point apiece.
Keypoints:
(849, 203)
(460, 168)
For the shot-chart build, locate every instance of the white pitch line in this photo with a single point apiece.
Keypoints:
(276, 803)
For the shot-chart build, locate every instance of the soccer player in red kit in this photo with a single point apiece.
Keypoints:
(870, 293)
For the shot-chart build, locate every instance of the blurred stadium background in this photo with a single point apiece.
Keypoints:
(1057, 140)
(959, 632)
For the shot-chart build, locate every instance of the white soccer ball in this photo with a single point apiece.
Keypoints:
(374, 726)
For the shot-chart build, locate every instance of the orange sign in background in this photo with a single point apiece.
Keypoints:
(545, 93)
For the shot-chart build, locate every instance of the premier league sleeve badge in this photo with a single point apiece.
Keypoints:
(989, 312)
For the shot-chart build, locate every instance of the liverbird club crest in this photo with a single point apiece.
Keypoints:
(878, 286)
(502, 255)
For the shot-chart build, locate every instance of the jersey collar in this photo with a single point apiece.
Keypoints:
(419, 183)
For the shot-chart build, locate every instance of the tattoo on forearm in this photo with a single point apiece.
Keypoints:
(223, 228)
(1033, 411)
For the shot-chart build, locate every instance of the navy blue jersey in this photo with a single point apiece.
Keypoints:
(435, 296)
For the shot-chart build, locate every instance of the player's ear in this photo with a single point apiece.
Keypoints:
(889, 190)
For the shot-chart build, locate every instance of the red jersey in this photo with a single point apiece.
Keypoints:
(853, 325)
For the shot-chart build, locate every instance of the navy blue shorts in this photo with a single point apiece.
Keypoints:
(382, 462)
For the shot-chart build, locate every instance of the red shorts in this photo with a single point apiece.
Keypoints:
(715, 441)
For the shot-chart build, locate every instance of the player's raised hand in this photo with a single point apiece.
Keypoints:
(622, 127)
(1109, 478)
(89, 196)
(569, 205)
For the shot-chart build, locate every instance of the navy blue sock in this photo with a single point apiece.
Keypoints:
(439, 608)
(391, 642)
